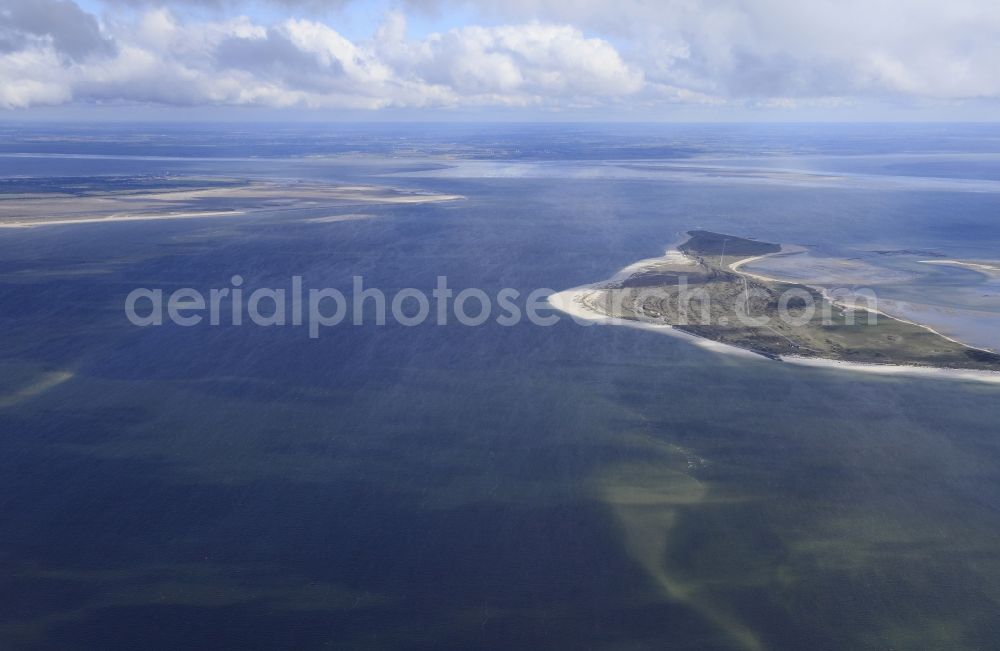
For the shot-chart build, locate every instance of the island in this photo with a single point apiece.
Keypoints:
(700, 289)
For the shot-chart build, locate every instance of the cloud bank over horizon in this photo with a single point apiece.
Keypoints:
(537, 55)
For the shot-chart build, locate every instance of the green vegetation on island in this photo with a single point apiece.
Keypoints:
(705, 293)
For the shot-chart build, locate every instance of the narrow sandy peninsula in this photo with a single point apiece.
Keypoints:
(178, 198)
(700, 292)
(991, 269)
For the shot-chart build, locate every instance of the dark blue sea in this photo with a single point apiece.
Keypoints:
(493, 487)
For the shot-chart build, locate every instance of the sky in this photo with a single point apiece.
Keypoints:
(620, 60)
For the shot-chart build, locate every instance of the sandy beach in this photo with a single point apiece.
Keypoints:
(569, 302)
(991, 269)
(333, 219)
(97, 206)
(122, 218)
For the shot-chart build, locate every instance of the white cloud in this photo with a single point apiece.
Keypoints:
(754, 49)
(541, 53)
(31, 77)
(525, 63)
(158, 58)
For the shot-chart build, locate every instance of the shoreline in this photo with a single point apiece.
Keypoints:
(825, 292)
(567, 302)
(178, 203)
(570, 302)
(123, 218)
(988, 269)
(333, 219)
(991, 377)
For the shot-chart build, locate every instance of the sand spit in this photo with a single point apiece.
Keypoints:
(992, 377)
(227, 201)
(123, 218)
(991, 269)
(332, 219)
(45, 382)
